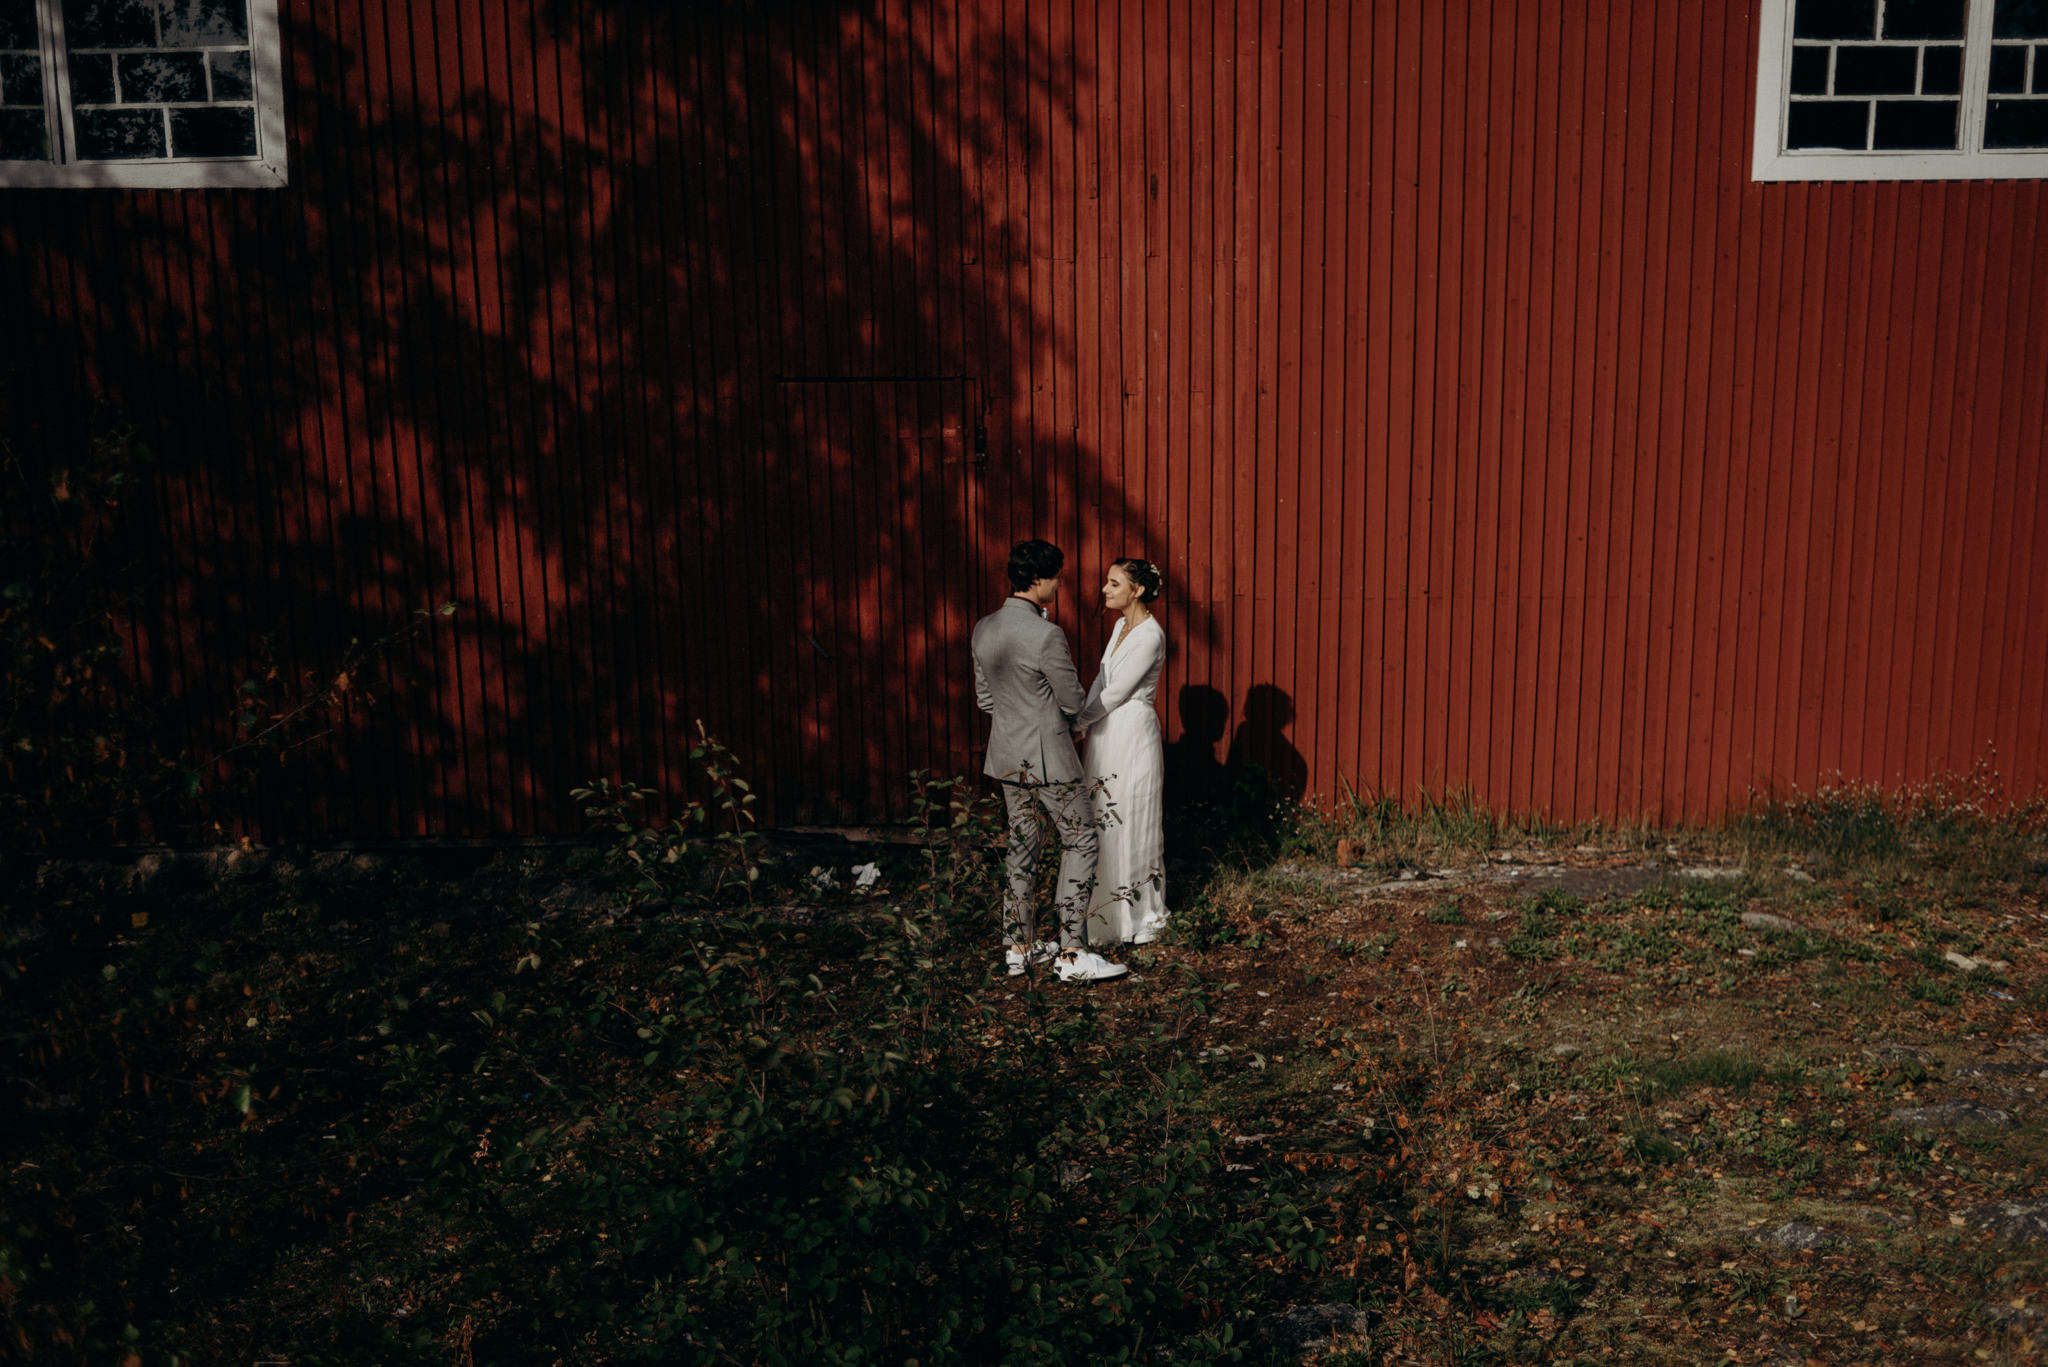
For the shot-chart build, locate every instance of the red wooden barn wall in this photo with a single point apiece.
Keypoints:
(1494, 432)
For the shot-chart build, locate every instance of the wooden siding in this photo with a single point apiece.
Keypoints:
(1494, 432)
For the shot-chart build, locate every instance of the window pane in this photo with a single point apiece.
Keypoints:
(2020, 19)
(231, 75)
(1941, 71)
(110, 23)
(205, 22)
(92, 78)
(1828, 123)
(2016, 123)
(23, 136)
(1834, 19)
(21, 79)
(1924, 18)
(1809, 71)
(18, 24)
(120, 134)
(222, 132)
(1875, 70)
(1916, 125)
(153, 77)
(2009, 70)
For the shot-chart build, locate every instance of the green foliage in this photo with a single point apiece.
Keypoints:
(1963, 824)
(692, 858)
(1541, 921)
(695, 1140)
(88, 754)
(76, 742)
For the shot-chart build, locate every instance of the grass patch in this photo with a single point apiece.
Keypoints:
(724, 1109)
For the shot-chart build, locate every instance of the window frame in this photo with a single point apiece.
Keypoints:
(1770, 161)
(266, 170)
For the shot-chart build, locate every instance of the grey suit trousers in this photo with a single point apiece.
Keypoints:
(1072, 815)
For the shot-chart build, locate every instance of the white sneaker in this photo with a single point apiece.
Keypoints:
(1086, 966)
(1018, 960)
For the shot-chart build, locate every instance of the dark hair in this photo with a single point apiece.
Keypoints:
(1151, 583)
(1033, 560)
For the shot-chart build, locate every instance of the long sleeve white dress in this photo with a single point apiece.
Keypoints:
(1124, 756)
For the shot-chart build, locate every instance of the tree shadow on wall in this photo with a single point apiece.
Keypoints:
(660, 337)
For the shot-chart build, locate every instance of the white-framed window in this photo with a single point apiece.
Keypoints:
(1902, 90)
(142, 94)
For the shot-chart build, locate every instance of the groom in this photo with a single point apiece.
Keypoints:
(1024, 677)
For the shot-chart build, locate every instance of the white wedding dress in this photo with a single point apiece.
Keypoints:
(1124, 756)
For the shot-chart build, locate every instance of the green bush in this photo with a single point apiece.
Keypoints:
(702, 1135)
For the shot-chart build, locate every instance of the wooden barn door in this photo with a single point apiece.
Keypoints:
(883, 542)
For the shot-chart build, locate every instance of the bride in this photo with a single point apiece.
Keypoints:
(1123, 757)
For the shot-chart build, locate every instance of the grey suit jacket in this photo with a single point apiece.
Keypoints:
(1024, 677)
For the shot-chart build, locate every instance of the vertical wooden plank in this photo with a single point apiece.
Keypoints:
(1986, 547)
(1325, 489)
(1663, 383)
(1766, 529)
(1914, 674)
(1883, 752)
(1147, 529)
(1192, 588)
(1547, 517)
(2019, 576)
(1584, 150)
(1494, 587)
(1402, 294)
(1247, 248)
(1463, 399)
(1094, 263)
(1612, 442)
(1960, 587)
(1845, 745)
(1521, 484)
(1816, 486)
(1730, 374)
(1284, 217)
(2022, 737)
(1698, 82)
(1426, 462)
(1775, 666)
(1378, 775)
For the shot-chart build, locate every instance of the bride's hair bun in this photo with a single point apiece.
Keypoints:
(1151, 583)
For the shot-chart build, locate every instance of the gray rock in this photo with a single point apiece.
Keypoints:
(1952, 1115)
(1291, 1331)
(1764, 920)
(1798, 1234)
(1963, 963)
(1563, 1050)
(1902, 1053)
(2023, 1222)
(2037, 1045)
(1998, 1072)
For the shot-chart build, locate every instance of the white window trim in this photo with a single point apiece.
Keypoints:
(264, 171)
(1770, 160)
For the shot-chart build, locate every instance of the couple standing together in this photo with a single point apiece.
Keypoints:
(1104, 797)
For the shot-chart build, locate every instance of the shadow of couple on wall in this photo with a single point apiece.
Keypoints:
(1232, 809)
